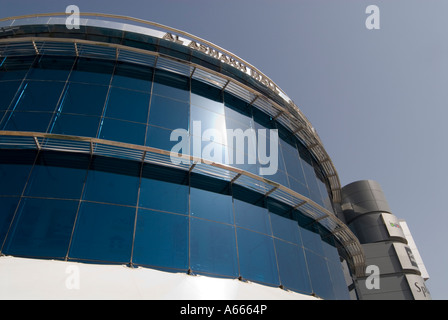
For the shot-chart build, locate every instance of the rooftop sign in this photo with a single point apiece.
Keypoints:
(224, 58)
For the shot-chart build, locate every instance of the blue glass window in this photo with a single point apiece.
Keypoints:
(168, 113)
(292, 267)
(156, 194)
(42, 228)
(320, 276)
(27, 121)
(298, 186)
(39, 96)
(58, 176)
(211, 205)
(257, 257)
(210, 105)
(103, 233)
(237, 109)
(77, 125)
(160, 138)
(8, 207)
(284, 227)
(262, 120)
(128, 105)
(113, 181)
(56, 68)
(15, 68)
(213, 248)
(340, 287)
(161, 239)
(330, 250)
(310, 175)
(252, 216)
(205, 120)
(89, 70)
(311, 240)
(292, 162)
(209, 150)
(123, 131)
(171, 85)
(14, 171)
(8, 90)
(324, 191)
(205, 96)
(85, 99)
(131, 76)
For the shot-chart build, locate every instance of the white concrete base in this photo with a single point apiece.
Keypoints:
(26, 279)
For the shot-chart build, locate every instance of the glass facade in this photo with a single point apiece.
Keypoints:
(79, 207)
(112, 101)
(103, 210)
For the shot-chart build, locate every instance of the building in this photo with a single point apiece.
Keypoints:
(100, 200)
(388, 245)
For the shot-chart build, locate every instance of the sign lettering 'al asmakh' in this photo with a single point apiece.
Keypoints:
(223, 58)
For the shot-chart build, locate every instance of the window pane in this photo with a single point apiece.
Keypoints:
(163, 195)
(58, 176)
(340, 287)
(84, 99)
(205, 96)
(161, 239)
(15, 68)
(8, 90)
(324, 193)
(211, 205)
(8, 206)
(77, 125)
(213, 248)
(15, 167)
(39, 96)
(103, 233)
(51, 68)
(168, 113)
(171, 85)
(292, 267)
(292, 162)
(257, 257)
(284, 227)
(237, 109)
(209, 150)
(42, 228)
(131, 76)
(206, 119)
(298, 187)
(330, 250)
(123, 131)
(27, 121)
(310, 175)
(89, 70)
(252, 217)
(128, 105)
(320, 277)
(112, 180)
(312, 240)
(160, 138)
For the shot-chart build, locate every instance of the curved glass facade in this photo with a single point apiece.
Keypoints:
(80, 207)
(132, 104)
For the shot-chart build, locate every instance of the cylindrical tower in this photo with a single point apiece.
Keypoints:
(139, 161)
(395, 271)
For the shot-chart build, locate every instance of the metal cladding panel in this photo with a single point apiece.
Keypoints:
(47, 279)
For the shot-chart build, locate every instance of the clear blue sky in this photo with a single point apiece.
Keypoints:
(377, 98)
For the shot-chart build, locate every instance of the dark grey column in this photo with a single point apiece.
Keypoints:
(369, 216)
